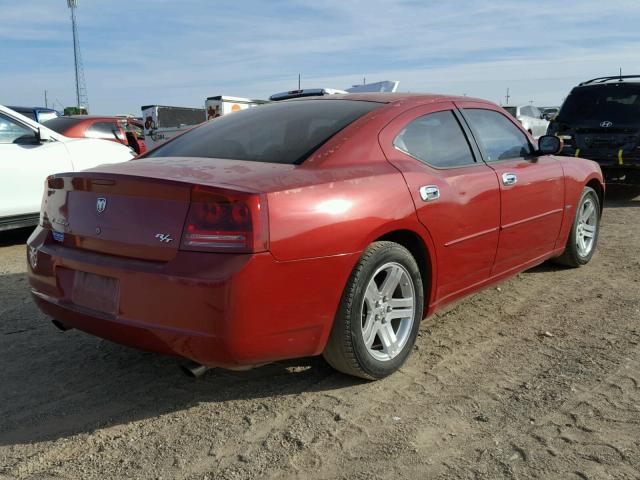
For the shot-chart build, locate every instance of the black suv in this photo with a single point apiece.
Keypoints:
(600, 120)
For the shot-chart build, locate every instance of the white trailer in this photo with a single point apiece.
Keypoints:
(222, 105)
(163, 122)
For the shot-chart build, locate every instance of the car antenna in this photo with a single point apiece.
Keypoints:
(298, 81)
(620, 74)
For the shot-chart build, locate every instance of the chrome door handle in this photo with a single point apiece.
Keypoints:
(429, 193)
(509, 178)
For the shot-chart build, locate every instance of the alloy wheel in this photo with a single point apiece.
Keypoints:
(388, 311)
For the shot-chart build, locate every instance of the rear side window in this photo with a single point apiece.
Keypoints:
(103, 130)
(44, 116)
(286, 132)
(499, 138)
(437, 140)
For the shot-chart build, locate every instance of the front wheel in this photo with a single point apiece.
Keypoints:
(583, 237)
(377, 322)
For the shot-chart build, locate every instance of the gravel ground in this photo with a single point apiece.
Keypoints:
(538, 378)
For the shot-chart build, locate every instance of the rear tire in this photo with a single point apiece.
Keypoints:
(379, 315)
(583, 237)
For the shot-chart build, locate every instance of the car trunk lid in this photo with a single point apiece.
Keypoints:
(138, 209)
(117, 215)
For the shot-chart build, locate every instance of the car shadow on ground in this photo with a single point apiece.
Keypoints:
(15, 237)
(622, 196)
(57, 384)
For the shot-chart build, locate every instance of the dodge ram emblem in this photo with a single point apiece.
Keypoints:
(606, 124)
(101, 204)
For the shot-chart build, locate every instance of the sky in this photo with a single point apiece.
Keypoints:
(180, 52)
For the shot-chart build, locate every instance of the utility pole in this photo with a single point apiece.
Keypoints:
(507, 97)
(82, 100)
(46, 105)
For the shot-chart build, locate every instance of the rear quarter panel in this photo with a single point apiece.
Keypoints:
(342, 213)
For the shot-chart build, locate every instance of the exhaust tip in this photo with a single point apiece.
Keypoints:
(60, 325)
(193, 369)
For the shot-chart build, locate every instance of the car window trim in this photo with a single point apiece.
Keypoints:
(475, 135)
(465, 133)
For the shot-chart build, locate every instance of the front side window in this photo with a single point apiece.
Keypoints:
(283, 132)
(437, 140)
(499, 138)
(14, 132)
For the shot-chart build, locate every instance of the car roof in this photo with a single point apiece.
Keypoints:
(611, 80)
(40, 109)
(396, 97)
(95, 117)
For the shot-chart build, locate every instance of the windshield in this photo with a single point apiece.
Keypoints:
(286, 132)
(617, 102)
(513, 111)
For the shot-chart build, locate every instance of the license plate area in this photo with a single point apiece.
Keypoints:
(96, 292)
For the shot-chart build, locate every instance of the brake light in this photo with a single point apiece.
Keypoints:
(226, 221)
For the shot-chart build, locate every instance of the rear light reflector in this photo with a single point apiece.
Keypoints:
(226, 221)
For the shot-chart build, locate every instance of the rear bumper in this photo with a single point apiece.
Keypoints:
(606, 157)
(215, 309)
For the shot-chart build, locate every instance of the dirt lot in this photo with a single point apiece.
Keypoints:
(539, 378)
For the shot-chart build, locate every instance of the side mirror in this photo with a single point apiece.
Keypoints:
(550, 145)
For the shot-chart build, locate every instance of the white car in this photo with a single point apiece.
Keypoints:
(30, 152)
(531, 119)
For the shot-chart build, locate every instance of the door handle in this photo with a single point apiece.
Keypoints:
(429, 193)
(509, 178)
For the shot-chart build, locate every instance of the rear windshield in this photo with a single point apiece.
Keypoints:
(617, 102)
(61, 124)
(286, 132)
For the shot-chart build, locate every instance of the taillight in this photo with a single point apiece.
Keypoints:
(226, 221)
(50, 185)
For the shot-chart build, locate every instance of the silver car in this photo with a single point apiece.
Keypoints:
(531, 119)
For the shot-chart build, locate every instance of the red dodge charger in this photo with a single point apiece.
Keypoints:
(328, 225)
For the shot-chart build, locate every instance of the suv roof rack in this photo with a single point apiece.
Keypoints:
(619, 78)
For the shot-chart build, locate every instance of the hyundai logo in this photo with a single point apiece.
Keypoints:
(101, 204)
(606, 124)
